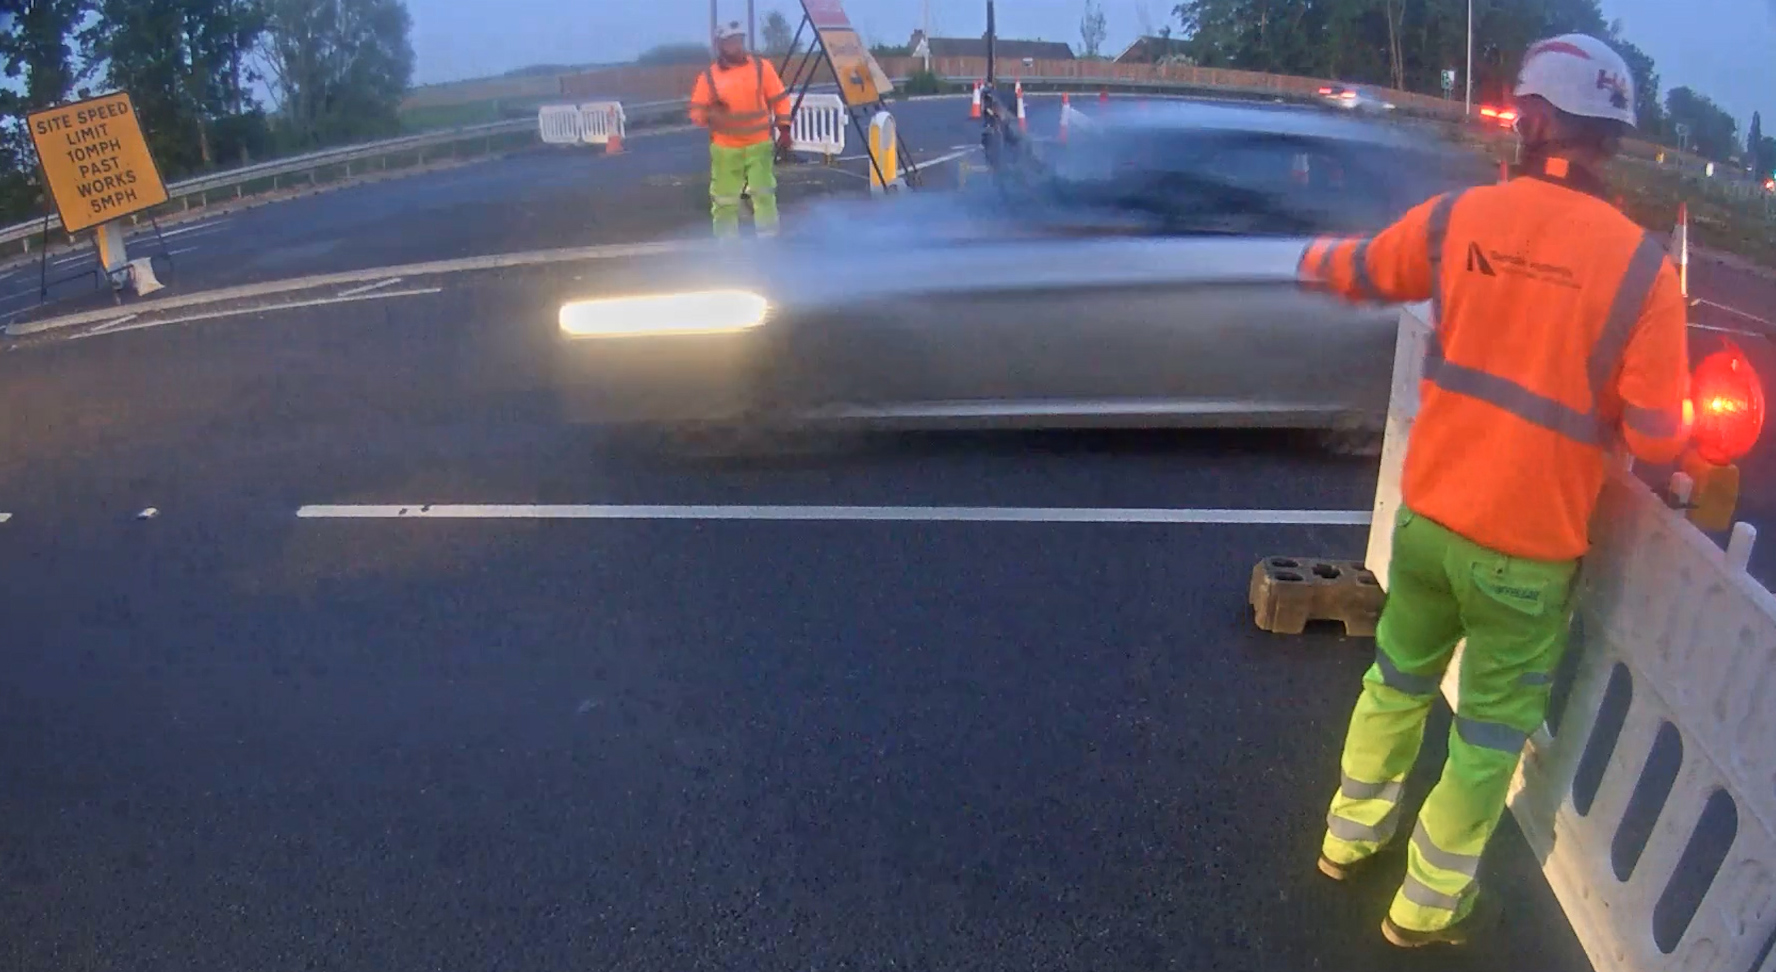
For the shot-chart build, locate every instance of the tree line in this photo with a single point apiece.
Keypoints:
(217, 83)
(1408, 44)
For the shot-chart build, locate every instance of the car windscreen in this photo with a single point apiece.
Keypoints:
(1239, 182)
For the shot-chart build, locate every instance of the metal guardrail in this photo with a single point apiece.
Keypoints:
(345, 155)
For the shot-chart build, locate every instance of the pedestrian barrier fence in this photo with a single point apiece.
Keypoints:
(560, 124)
(602, 121)
(1650, 793)
(819, 125)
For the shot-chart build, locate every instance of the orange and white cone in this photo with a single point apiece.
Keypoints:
(1023, 121)
(974, 110)
(614, 144)
(1066, 109)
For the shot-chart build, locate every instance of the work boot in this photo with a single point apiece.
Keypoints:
(1486, 913)
(1346, 872)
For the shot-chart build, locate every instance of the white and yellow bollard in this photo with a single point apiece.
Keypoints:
(884, 148)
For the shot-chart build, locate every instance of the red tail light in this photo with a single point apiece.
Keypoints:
(1727, 399)
(1489, 112)
(1325, 91)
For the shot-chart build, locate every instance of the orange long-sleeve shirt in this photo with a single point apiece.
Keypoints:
(739, 103)
(1560, 330)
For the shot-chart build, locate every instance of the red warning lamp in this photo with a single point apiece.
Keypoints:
(1727, 398)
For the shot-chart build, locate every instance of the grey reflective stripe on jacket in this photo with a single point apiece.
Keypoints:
(1588, 427)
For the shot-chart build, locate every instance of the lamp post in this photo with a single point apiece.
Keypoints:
(1468, 75)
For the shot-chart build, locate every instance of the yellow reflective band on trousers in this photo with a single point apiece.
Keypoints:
(1514, 614)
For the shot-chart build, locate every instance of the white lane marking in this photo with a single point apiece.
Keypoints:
(108, 325)
(188, 249)
(1733, 310)
(571, 254)
(1729, 330)
(940, 160)
(4, 517)
(907, 514)
(260, 309)
(378, 285)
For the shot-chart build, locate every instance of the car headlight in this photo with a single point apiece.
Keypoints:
(707, 312)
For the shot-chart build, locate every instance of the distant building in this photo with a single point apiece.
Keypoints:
(1154, 50)
(1006, 50)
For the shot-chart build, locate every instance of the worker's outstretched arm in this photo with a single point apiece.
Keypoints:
(1393, 266)
(702, 99)
(1655, 376)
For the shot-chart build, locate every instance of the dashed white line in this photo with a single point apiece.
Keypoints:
(940, 160)
(4, 517)
(378, 285)
(261, 309)
(903, 514)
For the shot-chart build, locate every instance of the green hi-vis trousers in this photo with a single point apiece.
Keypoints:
(732, 171)
(1515, 615)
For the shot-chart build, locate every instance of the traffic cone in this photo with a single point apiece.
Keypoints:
(1066, 109)
(1103, 96)
(1023, 122)
(1504, 171)
(974, 110)
(614, 144)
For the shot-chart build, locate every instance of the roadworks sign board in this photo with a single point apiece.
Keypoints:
(861, 80)
(95, 161)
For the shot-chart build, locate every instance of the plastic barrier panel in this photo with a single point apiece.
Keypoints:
(560, 124)
(819, 125)
(600, 121)
(1650, 795)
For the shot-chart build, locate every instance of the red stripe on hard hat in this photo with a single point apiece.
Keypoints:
(1559, 47)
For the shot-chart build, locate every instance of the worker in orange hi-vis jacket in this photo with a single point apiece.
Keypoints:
(741, 99)
(1559, 335)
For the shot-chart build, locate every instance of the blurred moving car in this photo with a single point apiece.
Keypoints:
(1142, 277)
(1359, 100)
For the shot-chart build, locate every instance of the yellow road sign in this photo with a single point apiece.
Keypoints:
(96, 161)
(861, 79)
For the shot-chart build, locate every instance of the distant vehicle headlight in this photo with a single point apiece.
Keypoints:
(707, 312)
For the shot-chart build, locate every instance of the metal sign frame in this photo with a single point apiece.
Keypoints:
(830, 15)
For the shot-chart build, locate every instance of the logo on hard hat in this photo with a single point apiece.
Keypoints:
(1616, 86)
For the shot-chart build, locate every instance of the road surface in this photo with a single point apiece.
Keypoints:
(695, 736)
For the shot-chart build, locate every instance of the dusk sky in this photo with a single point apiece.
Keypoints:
(1727, 52)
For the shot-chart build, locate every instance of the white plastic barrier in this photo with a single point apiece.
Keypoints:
(601, 120)
(819, 125)
(560, 124)
(1650, 797)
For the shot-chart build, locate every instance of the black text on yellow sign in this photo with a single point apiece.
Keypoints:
(96, 161)
(851, 64)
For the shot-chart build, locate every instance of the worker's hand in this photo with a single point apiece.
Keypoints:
(784, 141)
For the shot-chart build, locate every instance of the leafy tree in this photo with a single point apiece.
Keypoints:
(1092, 30)
(1754, 146)
(676, 54)
(1712, 132)
(183, 63)
(37, 48)
(778, 35)
(338, 68)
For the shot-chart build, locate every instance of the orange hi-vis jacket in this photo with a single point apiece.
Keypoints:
(1559, 331)
(738, 103)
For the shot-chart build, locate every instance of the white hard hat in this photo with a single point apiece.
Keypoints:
(729, 30)
(1580, 75)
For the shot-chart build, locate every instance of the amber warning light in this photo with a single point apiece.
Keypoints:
(1727, 399)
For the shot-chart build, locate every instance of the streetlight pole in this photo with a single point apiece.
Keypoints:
(1468, 75)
